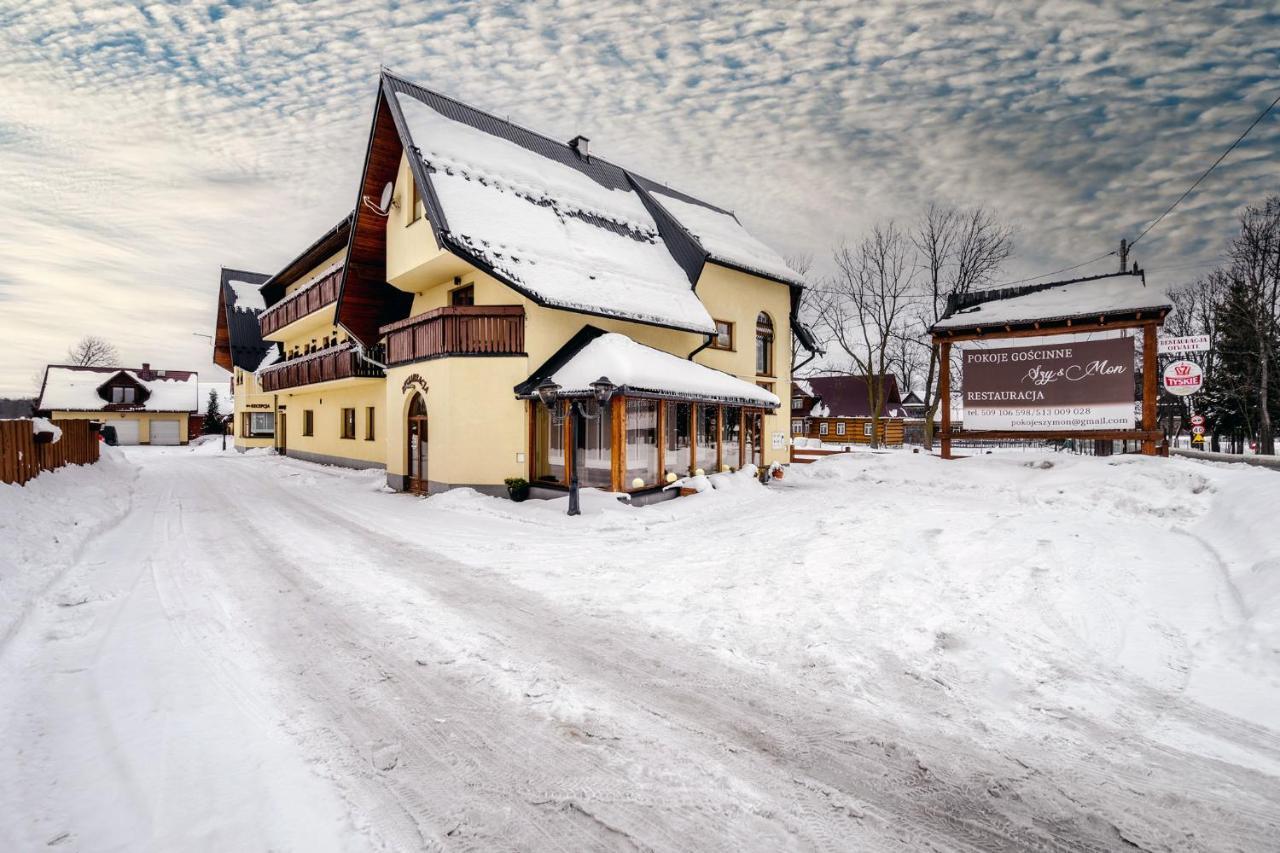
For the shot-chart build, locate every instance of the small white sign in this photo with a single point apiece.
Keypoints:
(1183, 377)
(1197, 430)
(779, 440)
(1190, 343)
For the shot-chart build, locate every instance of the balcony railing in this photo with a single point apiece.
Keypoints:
(300, 303)
(456, 330)
(326, 365)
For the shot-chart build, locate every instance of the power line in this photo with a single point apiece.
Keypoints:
(1057, 272)
(1222, 157)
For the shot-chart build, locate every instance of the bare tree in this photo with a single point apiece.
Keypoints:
(92, 351)
(959, 251)
(864, 309)
(1255, 266)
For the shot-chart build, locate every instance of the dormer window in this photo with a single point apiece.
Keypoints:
(122, 395)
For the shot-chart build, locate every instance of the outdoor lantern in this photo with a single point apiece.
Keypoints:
(671, 477)
(547, 392)
(637, 483)
(603, 389)
(699, 473)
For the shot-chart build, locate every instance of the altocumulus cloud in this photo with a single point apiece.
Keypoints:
(144, 145)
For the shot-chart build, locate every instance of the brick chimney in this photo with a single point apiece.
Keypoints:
(145, 372)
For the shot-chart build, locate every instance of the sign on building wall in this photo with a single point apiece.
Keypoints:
(1081, 385)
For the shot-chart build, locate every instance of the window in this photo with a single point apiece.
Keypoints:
(797, 403)
(822, 428)
(797, 426)
(348, 423)
(122, 395)
(679, 438)
(370, 414)
(768, 386)
(753, 436)
(595, 445)
(731, 438)
(724, 335)
(308, 422)
(548, 444)
(866, 429)
(642, 444)
(764, 344)
(707, 439)
(465, 295)
(840, 428)
(258, 424)
(416, 208)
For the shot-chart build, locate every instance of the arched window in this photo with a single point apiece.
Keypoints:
(764, 344)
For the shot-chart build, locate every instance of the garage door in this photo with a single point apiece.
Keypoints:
(126, 431)
(165, 432)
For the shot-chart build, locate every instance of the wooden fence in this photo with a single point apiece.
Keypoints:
(22, 459)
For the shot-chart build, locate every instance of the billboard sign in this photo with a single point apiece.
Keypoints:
(1080, 385)
(1183, 377)
(1189, 343)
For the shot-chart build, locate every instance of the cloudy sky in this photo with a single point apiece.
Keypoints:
(142, 146)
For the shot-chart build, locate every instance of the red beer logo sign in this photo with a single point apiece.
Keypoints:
(1183, 377)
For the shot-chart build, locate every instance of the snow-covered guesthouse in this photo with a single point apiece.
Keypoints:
(837, 410)
(483, 260)
(144, 405)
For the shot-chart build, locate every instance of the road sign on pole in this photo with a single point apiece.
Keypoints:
(1188, 343)
(1197, 430)
(1197, 420)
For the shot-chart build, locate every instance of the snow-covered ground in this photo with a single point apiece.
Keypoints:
(880, 651)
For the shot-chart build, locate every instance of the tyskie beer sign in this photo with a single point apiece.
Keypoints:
(1081, 385)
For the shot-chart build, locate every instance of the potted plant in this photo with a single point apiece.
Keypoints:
(517, 488)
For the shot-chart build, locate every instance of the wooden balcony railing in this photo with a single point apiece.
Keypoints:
(326, 365)
(300, 303)
(456, 330)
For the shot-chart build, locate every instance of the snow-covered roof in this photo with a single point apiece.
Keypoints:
(1101, 295)
(803, 386)
(74, 388)
(550, 229)
(269, 358)
(724, 238)
(248, 297)
(645, 370)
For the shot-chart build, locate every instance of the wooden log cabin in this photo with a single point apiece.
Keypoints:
(837, 410)
(482, 259)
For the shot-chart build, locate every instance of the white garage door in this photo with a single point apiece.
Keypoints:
(164, 432)
(126, 431)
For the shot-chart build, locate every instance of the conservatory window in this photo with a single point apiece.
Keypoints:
(679, 438)
(754, 437)
(594, 444)
(707, 438)
(548, 444)
(731, 438)
(642, 444)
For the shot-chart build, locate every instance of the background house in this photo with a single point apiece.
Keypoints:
(837, 409)
(144, 405)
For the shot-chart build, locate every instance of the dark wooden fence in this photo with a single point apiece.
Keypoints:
(22, 458)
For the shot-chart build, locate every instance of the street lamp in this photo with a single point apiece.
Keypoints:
(549, 392)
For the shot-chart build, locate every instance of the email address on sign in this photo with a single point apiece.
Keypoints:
(1073, 423)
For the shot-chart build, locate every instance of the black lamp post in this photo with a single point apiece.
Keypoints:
(549, 392)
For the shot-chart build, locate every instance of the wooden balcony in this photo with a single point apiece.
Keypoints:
(456, 330)
(326, 365)
(300, 303)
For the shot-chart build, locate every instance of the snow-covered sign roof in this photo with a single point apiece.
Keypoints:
(639, 369)
(724, 239)
(1083, 298)
(75, 388)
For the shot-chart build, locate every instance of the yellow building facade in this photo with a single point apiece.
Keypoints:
(402, 345)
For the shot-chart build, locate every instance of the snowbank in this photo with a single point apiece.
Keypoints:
(44, 425)
(44, 524)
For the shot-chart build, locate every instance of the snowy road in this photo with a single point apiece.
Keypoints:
(266, 655)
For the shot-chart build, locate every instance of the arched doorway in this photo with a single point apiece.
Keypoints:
(417, 445)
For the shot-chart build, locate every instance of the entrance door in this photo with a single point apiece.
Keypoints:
(282, 435)
(417, 438)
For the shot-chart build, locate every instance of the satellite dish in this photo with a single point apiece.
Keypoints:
(385, 204)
